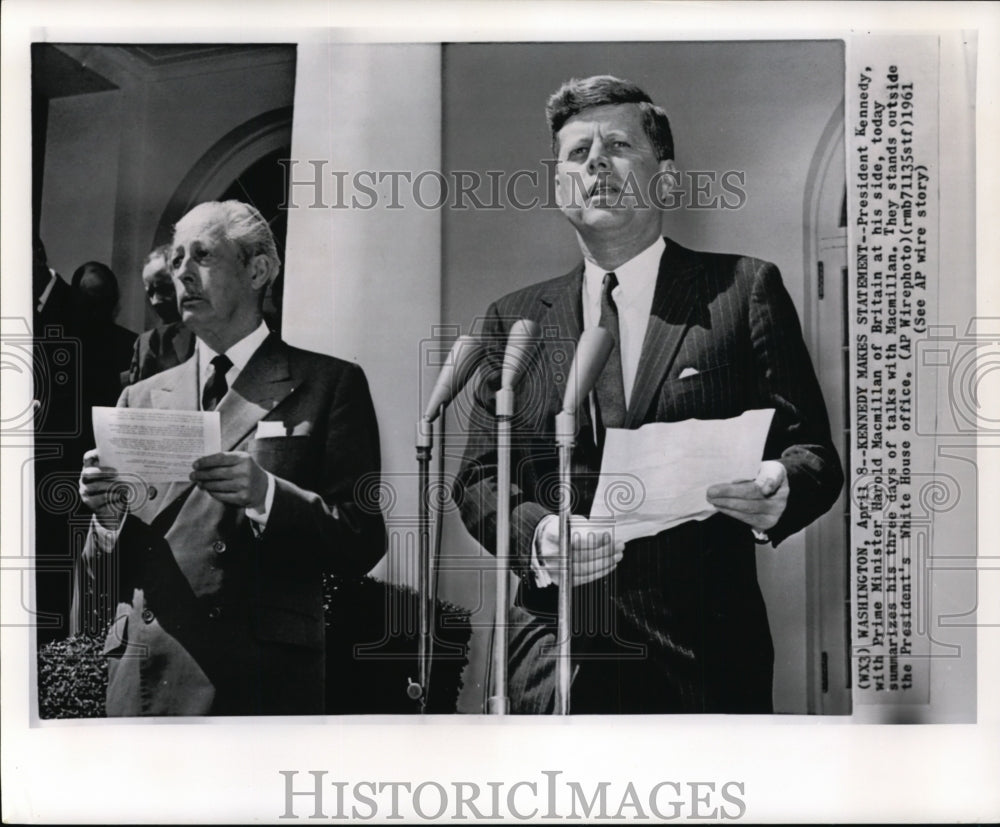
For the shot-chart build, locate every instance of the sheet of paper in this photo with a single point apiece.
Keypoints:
(156, 445)
(655, 477)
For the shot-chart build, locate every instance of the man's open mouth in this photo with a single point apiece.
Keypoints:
(605, 191)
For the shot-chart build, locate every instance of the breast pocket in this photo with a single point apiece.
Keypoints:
(292, 458)
(713, 393)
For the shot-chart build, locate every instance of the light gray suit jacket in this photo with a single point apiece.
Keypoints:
(214, 619)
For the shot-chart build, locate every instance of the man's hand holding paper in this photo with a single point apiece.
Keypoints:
(759, 503)
(666, 473)
(232, 477)
(595, 553)
(100, 491)
(165, 446)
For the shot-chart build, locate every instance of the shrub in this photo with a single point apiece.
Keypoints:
(371, 653)
(72, 678)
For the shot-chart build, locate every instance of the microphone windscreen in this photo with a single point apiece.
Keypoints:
(592, 352)
(522, 341)
(458, 368)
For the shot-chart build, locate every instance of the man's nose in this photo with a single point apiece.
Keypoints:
(186, 273)
(597, 160)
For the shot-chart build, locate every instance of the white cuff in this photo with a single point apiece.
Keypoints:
(258, 519)
(542, 577)
(105, 539)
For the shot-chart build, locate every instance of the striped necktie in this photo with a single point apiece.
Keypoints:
(610, 389)
(216, 386)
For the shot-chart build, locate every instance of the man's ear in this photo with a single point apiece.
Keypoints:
(260, 271)
(668, 181)
(557, 187)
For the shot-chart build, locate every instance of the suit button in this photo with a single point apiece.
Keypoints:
(218, 546)
(152, 492)
(147, 616)
(214, 613)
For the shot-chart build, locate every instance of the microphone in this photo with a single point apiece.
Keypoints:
(522, 342)
(592, 352)
(458, 368)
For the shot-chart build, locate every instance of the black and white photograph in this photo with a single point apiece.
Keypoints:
(498, 421)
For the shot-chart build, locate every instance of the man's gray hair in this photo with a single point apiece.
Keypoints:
(163, 251)
(244, 226)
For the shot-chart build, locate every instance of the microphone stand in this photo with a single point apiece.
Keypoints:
(419, 690)
(592, 352)
(522, 341)
(565, 440)
(459, 367)
(498, 702)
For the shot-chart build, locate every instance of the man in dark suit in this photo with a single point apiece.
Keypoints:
(221, 575)
(170, 342)
(58, 390)
(51, 296)
(105, 345)
(673, 622)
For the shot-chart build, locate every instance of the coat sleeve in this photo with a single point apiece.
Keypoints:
(341, 521)
(800, 433)
(475, 488)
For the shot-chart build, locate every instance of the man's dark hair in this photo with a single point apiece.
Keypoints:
(576, 95)
(110, 283)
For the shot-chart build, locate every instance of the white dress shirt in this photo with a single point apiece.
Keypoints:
(634, 298)
(239, 354)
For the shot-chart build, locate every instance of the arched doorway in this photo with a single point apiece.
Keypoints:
(825, 326)
(245, 165)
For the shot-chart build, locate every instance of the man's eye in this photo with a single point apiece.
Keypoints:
(621, 144)
(578, 152)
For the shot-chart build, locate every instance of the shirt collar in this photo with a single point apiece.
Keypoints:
(635, 276)
(240, 353)
(48, 289)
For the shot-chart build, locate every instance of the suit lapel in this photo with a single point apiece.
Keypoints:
(183, 343)
(669, 318)
(562, 322)
(177, 391)
(261, 385)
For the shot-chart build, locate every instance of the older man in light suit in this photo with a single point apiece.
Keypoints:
(220, 576)
(170, 342)
(673, 622)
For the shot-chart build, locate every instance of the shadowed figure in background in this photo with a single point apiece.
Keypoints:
(59, 441)
(170, 342)
(106, 346)
(673, 622)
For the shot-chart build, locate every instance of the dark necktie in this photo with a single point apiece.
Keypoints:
(216, 386)
(610, 389)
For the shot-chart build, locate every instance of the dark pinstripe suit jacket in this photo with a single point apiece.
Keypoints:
(680, 625)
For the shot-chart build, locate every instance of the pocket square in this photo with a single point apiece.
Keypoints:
(688, 372)
(267, 429)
